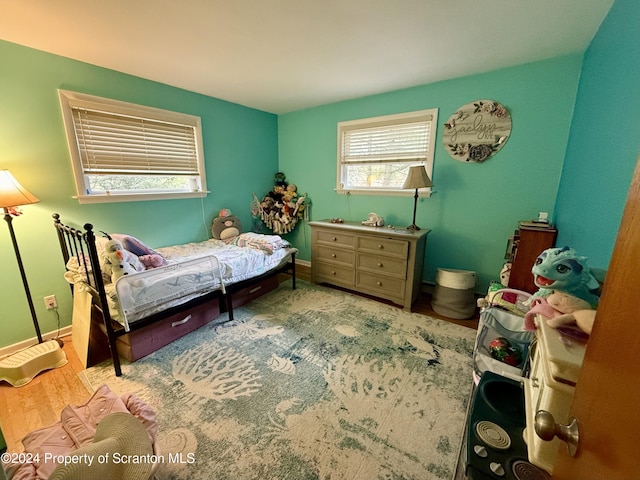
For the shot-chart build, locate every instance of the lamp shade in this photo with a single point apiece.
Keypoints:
(417, 178)
(12, 194)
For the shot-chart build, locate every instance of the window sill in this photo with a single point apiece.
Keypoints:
(423, 192)
(138, 197)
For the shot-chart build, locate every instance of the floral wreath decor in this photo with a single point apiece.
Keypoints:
(477, 131)
(282, 207)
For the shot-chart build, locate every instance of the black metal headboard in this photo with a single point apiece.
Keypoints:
(81, 244)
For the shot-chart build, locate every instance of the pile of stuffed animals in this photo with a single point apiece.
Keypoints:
(124, 255)
(567, 292)
(567, 297)
(281, 208)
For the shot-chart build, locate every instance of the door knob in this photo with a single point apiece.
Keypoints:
(547, 428)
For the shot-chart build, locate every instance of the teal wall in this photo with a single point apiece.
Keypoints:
(577, 166)
(477, 206)
(605, 137)
(241, 154)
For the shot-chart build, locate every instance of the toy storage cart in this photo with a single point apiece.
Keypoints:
(502, 343)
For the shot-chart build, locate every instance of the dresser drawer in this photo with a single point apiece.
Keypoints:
(337, 255)
(326, 272)
(383, 246)
(378, 264)
(380, 285)
(336, 238)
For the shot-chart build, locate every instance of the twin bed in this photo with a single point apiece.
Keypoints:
(194, 283)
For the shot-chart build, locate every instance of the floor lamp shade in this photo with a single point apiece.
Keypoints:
(12, 194)
(416, 179)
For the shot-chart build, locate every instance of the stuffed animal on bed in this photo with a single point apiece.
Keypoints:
(147, 255)
(563, 270)
(226, 226)
(118, 261)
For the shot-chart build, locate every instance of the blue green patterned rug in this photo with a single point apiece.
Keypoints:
(311, 383)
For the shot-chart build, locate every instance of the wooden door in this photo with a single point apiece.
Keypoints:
(607, 396)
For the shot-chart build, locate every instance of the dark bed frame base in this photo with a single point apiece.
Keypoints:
(82, 245)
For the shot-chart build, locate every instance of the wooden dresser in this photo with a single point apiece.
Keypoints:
(378, 261)
(529, 243)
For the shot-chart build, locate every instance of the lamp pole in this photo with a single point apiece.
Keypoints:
(8, 218)
(413, 226)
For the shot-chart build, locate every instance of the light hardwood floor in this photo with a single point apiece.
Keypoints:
(39, 403)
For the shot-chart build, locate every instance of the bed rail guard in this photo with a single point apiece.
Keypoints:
(157, 286)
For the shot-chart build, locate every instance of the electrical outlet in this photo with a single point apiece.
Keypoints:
(50, 302)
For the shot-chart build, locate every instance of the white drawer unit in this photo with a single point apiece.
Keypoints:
(378, 261)
(555, 366)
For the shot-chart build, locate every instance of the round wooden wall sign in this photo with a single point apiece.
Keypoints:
(477, 130)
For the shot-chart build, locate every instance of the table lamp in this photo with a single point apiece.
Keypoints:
(416, 179)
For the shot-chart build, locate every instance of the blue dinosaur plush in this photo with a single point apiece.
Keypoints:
(563, 270)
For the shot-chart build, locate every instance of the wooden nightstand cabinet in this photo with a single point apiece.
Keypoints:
(378, 261)
(531, 242)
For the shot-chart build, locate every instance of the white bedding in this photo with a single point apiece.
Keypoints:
(155, 290)
(236, 263)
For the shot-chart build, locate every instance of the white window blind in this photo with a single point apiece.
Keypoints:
(121, 151)
(117, 144)
(400, 142)
(375, 154)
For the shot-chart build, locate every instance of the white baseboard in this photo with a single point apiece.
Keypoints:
(16, 347)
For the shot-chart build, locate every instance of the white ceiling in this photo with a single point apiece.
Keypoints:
(284, 55)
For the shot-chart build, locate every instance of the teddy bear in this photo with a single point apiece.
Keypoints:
(226, 226)
(118, 261)
(290, 193)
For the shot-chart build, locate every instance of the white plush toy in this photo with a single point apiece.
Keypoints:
(119, 262)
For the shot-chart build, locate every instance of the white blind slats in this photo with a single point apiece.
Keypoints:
(374, 154)
(390, 143)
(110, 143)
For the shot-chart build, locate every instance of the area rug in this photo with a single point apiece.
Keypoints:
(312, 383)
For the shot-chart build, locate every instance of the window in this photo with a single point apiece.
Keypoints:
(374, 154)
(123, 152)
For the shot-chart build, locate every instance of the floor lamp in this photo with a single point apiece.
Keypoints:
(20, 368)
(417, 179)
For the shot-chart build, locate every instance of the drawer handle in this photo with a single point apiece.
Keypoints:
(380, 264)
(379, 284)
(181, 322)
(534, 382)
(333, 272)
(380, 247)
(255, 289)
(334, 239)
(333, 255)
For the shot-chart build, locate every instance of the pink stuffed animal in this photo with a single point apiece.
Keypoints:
(561, 309)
